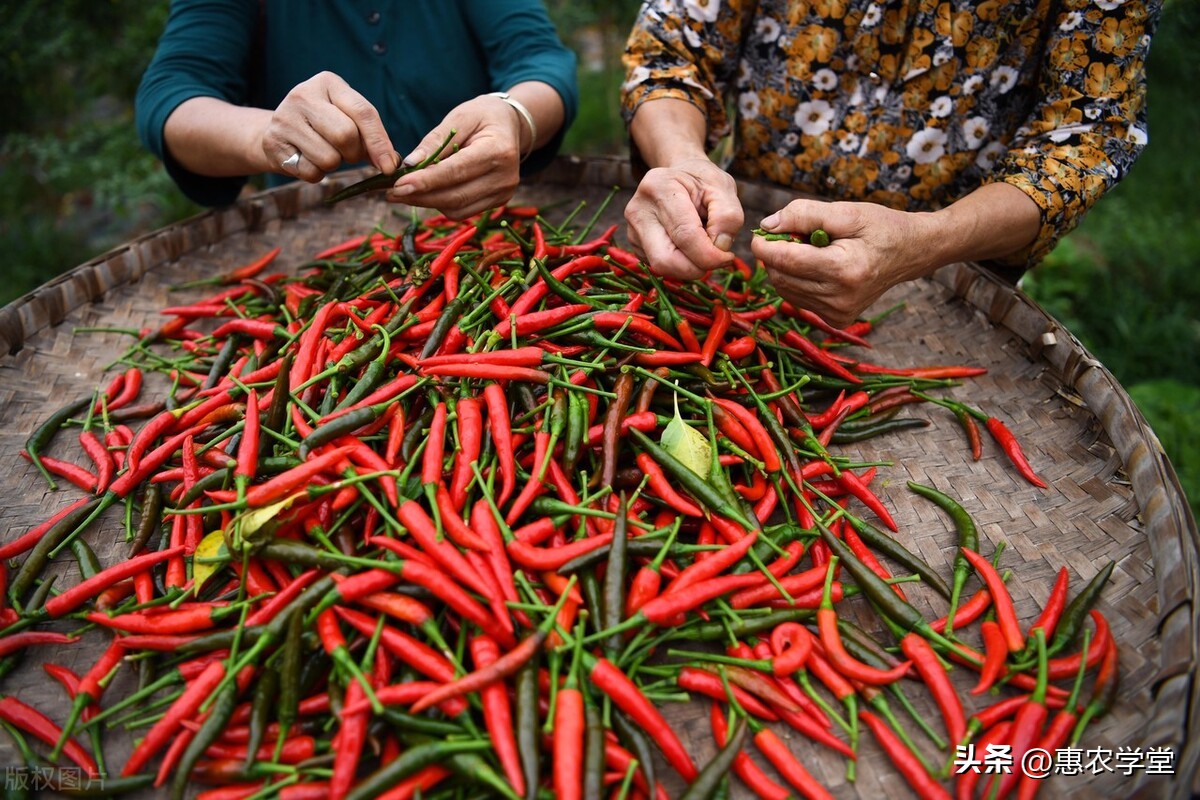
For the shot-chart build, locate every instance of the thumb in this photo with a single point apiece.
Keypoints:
(429, 145)
(799, 216)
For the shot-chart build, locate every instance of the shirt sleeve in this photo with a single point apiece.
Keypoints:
(520, 44)
(1089, 125)
(204, 52)
(685, 50)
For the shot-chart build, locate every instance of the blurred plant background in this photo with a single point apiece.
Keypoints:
(74, 182)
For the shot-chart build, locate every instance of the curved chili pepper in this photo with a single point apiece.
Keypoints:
(841, 660)
(1012, 448)
(995, 648)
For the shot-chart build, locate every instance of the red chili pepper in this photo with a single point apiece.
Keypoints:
(470, 444)
(905, 761)
(715, 337)
(968, 612)
(713, 565)
(278, 487)
(551, 558)
(497, 714)
(247, 454)
(626, 696)
(35, 723)
(848, 335)
(494, 671)
(932, 373)
(743, 766)
(31, 537)
(845, 663)
(995, 648)
(1066, 666)
(101, 458)
(16, 642)
(694, 679)
(1006, 614)
(1012, 448)
(81, 592)
(420, 526)
(788, 766)
(821, 358)
(866, 555)
(929, 667)
(184, 707)
(855, 486)
(73, 473)
(569, 734)
(804, 589)
(1056, 603)
(1028, 723)
(348, 743)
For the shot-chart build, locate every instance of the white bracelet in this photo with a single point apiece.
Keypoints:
(525, 115)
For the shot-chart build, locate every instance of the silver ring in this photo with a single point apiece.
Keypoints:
(292, 161)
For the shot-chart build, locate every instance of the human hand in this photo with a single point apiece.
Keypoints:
(873, 248)
(683, 218)
(484, 170)
(328, 124)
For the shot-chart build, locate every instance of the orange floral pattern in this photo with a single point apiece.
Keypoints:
(910, 103)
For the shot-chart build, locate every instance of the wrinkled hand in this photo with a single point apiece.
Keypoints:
(873, 248)
(481, 174)
(683, 219)
(329, 124)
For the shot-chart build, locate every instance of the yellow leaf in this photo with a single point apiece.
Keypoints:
(249, 523)
(211, 554)
(687, 444)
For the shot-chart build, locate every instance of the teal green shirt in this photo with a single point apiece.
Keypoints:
(414, 60)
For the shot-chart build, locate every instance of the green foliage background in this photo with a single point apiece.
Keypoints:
(74, 182)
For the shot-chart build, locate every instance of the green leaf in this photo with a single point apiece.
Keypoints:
(687, 444)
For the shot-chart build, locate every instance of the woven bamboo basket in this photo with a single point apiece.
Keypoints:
(1113, 494)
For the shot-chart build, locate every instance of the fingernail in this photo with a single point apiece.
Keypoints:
(770, 222)
(403, 190)
(724, 242)
(387, 162)
(413, 158)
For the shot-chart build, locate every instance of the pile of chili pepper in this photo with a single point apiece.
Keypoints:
(459, 510)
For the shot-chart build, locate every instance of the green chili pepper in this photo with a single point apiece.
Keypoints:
(880, 540)
(210, 730)
(968, 537)
(45, 432)
(715, 771)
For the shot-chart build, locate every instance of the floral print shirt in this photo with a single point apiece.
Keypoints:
(910, 103)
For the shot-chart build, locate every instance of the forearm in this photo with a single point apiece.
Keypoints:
(546, 108)
(210, 137)
(668, 131)
(994, 221)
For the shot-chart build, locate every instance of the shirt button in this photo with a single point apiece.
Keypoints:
(373, 18)
(379, 48)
